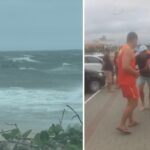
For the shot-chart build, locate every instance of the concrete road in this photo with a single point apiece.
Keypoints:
(102, 115)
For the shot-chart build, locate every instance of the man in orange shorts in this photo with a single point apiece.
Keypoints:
(127, 75)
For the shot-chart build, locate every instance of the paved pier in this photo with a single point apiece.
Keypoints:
(102, 115)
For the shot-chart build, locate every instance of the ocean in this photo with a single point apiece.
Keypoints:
(35, 87)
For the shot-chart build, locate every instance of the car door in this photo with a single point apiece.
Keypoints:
(93, 63)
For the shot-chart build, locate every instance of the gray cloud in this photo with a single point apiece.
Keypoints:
(40, 24)
(115, 18)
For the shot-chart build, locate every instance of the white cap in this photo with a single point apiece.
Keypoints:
(142, 48)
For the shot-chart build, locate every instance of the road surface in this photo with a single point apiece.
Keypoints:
(102, 115)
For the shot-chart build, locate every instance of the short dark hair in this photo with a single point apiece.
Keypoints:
(131, 36)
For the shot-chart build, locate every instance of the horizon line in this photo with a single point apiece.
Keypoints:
(42, 49)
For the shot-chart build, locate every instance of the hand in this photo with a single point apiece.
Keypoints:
(137, 73)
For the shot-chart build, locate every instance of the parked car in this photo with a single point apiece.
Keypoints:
(94, 81)
(94, 63)
(101, 55)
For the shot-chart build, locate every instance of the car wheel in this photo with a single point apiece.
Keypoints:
(94, 86)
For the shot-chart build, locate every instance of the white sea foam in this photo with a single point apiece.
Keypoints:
(37, 108)
(66, 67)
(37, 100)
(26, 58)
(65, 64)
(26, 68)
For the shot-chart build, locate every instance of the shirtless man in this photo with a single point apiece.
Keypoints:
(127, 75)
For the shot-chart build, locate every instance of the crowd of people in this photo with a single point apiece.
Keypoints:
(131, 65)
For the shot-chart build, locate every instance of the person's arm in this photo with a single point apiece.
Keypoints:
(137, 62)
(126, 62)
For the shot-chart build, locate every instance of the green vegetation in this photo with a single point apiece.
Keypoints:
(54, 138)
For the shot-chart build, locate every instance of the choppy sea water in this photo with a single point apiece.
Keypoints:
(35, 86)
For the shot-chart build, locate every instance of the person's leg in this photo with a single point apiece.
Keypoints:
(117, 87)
(109, 80)
(132, 94)
(149, 93)
(113, 77)
(141, 90)
(132, 120)
(106, 79)
(128, 113)
(135, 96)
(141, 83)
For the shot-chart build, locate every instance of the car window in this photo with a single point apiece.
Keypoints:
(89, 59)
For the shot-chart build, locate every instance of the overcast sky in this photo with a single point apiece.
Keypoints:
(115, 18)
(40, 24)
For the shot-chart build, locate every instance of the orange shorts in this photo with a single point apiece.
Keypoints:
(130, 91)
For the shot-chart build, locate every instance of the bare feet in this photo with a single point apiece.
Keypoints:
(142, 108)
(111, 91)
(133, 124)
(123, 130)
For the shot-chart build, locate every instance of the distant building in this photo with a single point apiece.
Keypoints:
(101, 45)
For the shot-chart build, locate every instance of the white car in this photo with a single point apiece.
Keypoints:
(93, 63)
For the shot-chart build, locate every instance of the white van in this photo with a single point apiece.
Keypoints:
(94, 63)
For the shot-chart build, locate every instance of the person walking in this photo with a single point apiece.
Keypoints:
(108, 69)
(127, 75)
(116, 68)
(142, 61)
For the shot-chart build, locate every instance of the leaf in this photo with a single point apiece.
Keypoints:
(36, 139)
(13, 134)
(44, 136)
(55, 130)
(73, 147)
(26, 134)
